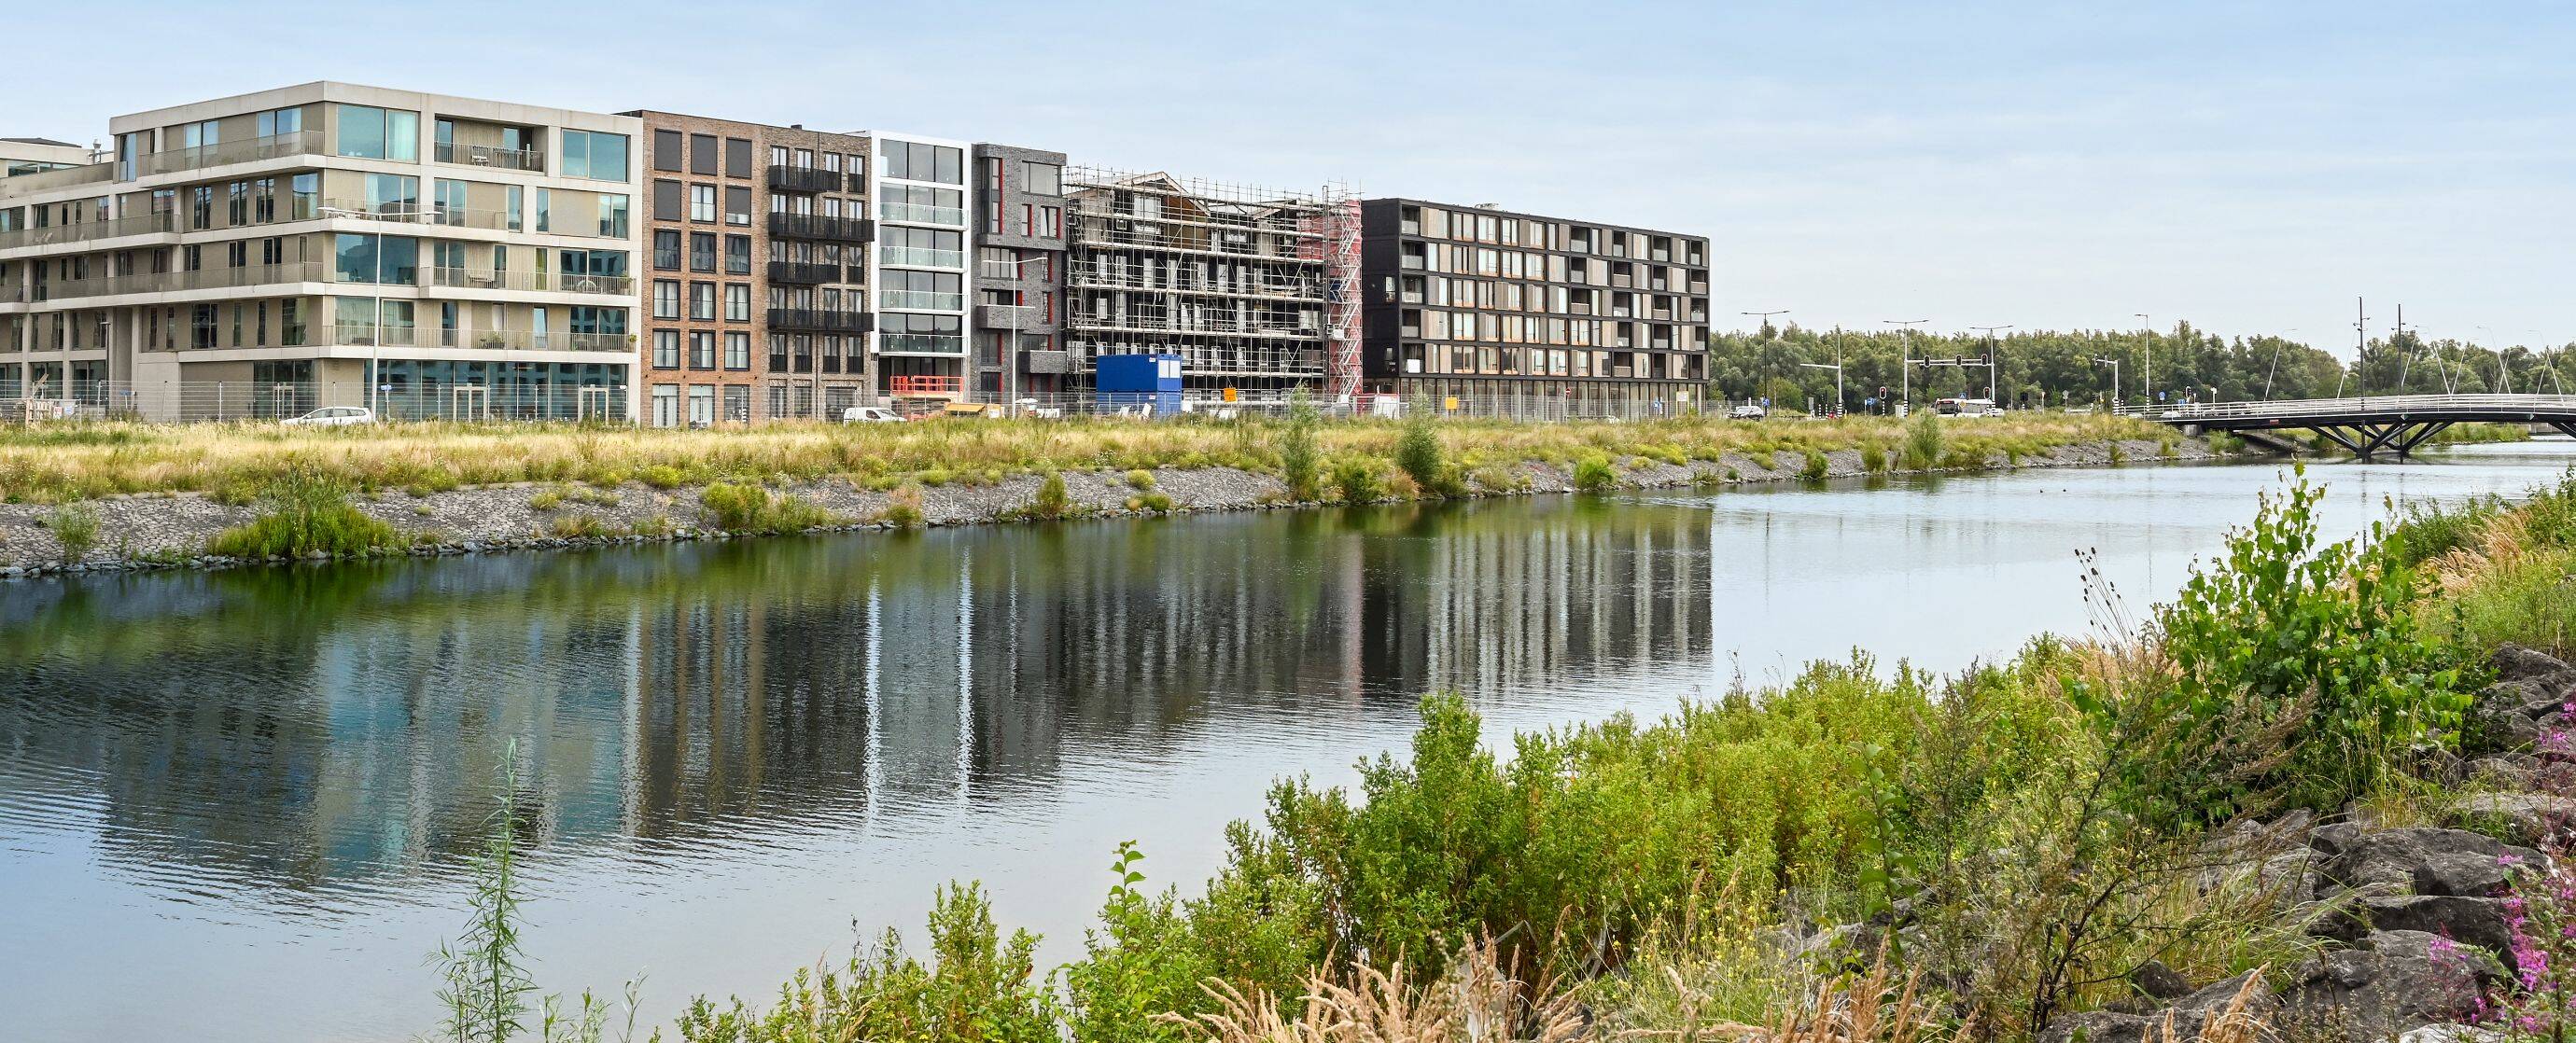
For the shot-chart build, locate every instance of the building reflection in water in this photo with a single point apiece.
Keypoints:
(309, 730)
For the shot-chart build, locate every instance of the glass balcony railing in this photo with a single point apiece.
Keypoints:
(917, 257)
(83, 231)
(921, 344)
(303, 142)
(915, 213)
(493, 156)
(923, 300)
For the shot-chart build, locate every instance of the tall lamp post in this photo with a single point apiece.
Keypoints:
(2147, 341)
(1905, 353)
(1765, 316)
(2115, 379)
(1992, 363)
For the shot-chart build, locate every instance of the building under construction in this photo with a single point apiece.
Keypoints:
(1253, 289)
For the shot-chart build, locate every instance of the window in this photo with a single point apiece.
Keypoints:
(737, 403)
(612, 216)
(702, 203)
(737, 205)
(666, 201)
(702, 301)
(1050, 222)
(702, 154)
(737, 348)
(777, 155)
(666, 150)
(376, 259)
(702, 405)
(278, 121)
(594, 155)
(737, 255)
(916, 162)
(737, 157)
(666, 250)
(702, 350)
(702, 251)
(737, 302)
(367, 132)
(666, 298)
(1042, 179)
(666, 405)
(666, 348)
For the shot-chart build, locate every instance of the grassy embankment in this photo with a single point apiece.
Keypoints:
(237, 461)
(2039, 827)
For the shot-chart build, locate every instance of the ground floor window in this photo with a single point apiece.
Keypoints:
(666, 405)
(702, 405)
(424, 389)
(737, 403)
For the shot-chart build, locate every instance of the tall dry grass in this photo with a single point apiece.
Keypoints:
(72, 462)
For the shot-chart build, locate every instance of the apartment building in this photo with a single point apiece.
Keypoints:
(1516, 311)
(756, 300)
(1019, 258)
(329, 244)
(1234, 279)
(38, 155)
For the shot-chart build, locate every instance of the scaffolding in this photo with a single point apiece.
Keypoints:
(1252, 288)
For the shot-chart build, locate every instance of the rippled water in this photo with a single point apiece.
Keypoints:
(235, 806)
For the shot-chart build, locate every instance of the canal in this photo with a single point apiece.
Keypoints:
(237, 806)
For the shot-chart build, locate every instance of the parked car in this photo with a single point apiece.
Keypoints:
(332, 416)
(1994, 411)
(1747, 411)
(870, 415)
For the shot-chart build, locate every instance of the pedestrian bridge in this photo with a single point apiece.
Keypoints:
(2369, 425)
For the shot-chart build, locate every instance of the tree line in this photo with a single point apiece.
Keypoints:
(2076, 367)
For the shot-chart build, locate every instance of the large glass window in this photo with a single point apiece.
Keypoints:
(595, 155)
(367, 132)
(612, 216)
(1045, 179)
(392, 194)
(917, 162)
(377, 259)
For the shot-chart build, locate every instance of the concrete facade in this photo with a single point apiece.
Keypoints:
(329, 244)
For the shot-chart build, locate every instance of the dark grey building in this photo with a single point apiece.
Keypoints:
(1515, 312)
(1019, 265)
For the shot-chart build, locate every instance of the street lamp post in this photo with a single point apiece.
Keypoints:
(2147, 340)
(1992, 363)
(1837, 367)
(2115, 379)
(1904, 340)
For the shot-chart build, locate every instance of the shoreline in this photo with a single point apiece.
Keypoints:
(140, 532)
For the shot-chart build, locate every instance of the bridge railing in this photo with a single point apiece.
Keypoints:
(2370, 404)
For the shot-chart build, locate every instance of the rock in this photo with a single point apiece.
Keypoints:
(2451, 1034)
(2393, 856)
(2470, 921)
(2519, 663)
(2526, 818)
(2392, 982)
(2187, 1017)
(2155, 979)
(2460, 873)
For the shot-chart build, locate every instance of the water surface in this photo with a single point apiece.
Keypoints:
(236, 806)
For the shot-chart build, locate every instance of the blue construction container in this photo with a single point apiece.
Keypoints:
(1129, 381)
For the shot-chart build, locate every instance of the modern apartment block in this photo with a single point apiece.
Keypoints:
(1019, 262)
(329, 244)
(1529, 313)
(38, 155)
(1235, 280)
(756, 299)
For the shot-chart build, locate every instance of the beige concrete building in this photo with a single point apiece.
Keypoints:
(329, 244)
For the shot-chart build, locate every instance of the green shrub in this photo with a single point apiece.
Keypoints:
(1816, 466)
(978, 988)
(903, 508)
(1922, 450)
(1052, 500)
(1151, 503)
(1418, 452)
(545, 501)
(1873, 458)
(305, 511)
(1299, 461)
(576, 527)
(1140, 480)
(2224, 444)
(750, 508)
(662, 476)
(75, 529)
(1593, 474)
(2306, 661)
(1357, 479)
(935, 477)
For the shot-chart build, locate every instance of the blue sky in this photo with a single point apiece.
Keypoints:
(2249, 167)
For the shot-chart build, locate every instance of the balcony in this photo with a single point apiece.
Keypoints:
(413, 212)
(1007, 316)
(522, 340)
(816, 226)
(918, 214)
(169, 282)
(303, 142)
(919, 257)
(921, 344)
(924, 386)
(83, 231)
(821, 321)
(921, 300)
(803, 179)
(537, 282)
(803, 272)
(489, 156)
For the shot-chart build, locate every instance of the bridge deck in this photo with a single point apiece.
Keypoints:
(2370, 424)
